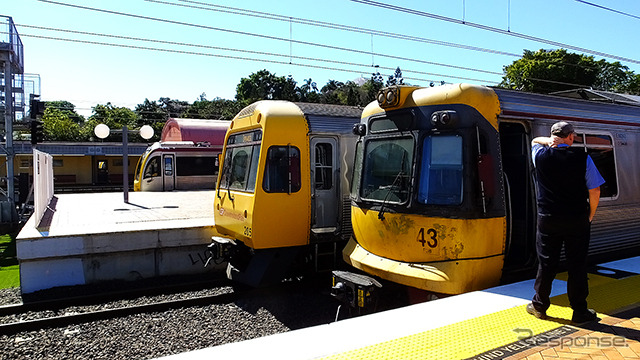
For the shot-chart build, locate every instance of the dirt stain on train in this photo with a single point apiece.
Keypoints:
(399, 225)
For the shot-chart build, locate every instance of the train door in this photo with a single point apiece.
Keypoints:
(324, 187)
(168, 161)
(519, 196)
(102, 167)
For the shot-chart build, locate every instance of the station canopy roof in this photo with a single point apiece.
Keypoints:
(196, 130)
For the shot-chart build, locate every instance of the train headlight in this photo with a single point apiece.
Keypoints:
(388, 97)
(444, 119)
(359, 129)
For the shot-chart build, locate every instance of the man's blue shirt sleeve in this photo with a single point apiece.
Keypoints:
(593, 177)
(535, 149)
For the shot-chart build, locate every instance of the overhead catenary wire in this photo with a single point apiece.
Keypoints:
(324, 24)
(349, 28)
(609, 9)
(359, 71)
(290, 56)
(270, 37)
(493, 29)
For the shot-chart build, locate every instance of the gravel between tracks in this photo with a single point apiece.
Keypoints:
(151, 335)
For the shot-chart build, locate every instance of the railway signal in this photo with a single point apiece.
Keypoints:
(37, 132)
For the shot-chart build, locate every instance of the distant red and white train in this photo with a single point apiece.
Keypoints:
(185, 158)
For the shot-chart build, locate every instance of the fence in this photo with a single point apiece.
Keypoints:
(42, 183)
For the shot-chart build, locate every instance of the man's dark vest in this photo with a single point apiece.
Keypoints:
(562, 188)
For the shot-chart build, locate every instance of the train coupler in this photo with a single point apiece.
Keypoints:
(219, 250)
(354, 289)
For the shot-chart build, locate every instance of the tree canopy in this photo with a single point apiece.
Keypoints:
(546, 71)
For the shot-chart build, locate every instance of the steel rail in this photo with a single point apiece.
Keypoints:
(79, 318)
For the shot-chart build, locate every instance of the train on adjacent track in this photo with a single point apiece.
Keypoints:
(283, 191)
(185, 158)
(442, 191)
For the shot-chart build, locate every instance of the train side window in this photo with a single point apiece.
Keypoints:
(324, 166)
(282, 171)
(168, 166)
(600, 148)
(253, 173)
(357, 170)
(196, 165)
(441, 171)
(153, 168)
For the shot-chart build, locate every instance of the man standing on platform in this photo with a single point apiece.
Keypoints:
(568, 185)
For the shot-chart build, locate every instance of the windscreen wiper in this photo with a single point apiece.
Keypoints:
(398, 176)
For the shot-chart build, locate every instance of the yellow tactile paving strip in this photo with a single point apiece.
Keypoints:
(478, 335)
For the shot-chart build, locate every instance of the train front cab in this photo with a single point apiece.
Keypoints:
(279, 189)
(428, 205)
(260, 203)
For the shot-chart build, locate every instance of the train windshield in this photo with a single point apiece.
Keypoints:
(441, 175)
(138, 171)
(387, 169)
(240, 166)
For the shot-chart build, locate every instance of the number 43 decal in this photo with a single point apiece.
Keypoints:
(432, 238)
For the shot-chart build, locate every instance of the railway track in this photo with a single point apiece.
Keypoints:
(42, 309)
(79, 318)
(46, 314)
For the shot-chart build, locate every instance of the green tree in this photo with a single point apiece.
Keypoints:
(58, 126)
(150, 112)
(115, 118)
(67, 109)
(263, 85)
(309, 92)
(349, 94)
(329, 94)
(546, 71)
(217, 109)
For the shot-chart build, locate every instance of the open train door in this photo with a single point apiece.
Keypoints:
(519, 196)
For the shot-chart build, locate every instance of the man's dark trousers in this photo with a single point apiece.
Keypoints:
(574, 233)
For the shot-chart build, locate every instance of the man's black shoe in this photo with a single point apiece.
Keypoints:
(533, 311)
(584, 316)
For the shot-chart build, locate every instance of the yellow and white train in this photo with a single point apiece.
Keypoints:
(443, 189)
(282, 194)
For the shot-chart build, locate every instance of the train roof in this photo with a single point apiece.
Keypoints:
(600, 96)
(562, 107)
(196, 130)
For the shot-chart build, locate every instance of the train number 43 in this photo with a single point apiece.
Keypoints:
(431, 240)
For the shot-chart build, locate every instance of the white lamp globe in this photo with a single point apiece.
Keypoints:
(101, 131)
(146, 132)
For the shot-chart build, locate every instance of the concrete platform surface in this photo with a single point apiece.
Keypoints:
(94, 213)
(88, 238)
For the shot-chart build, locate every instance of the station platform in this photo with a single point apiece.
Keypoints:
(482, 325)
(92, 237)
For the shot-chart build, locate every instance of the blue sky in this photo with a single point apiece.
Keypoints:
(89, 74)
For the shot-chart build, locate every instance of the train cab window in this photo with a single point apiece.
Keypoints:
(442, 171)
(282, 171)
(240, 167)
(600, 148)
(153, 168)
(239, 159)
(324, 166)
(387, 170)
